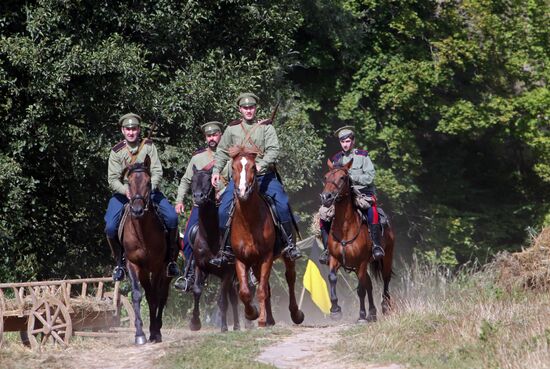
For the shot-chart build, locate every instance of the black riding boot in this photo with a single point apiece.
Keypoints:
(375, 234)
(118, 253)
(172, 269)
(323, 258)
(185, 283)
(290, 252)
(225, 255)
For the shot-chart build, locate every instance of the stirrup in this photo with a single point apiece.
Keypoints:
(323, 258)
(184, 283)
(225, 258)
(292, 253)
(119, 273)
(378, 252)
(172, 269)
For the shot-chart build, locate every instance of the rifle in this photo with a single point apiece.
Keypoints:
(294, 222)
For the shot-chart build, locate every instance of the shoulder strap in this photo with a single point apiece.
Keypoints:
(248, 137)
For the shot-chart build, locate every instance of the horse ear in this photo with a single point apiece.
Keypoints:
(330, 164)
(194, 169)
(348, 165)
(147, 161)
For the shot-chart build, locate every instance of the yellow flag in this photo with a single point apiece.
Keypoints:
(315, 283)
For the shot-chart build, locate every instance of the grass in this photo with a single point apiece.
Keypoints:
(464, 321)
(232, 350)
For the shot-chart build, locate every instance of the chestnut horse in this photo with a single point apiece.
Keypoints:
(350, 245)
(144, 243)
(206, 246)
(253, 238)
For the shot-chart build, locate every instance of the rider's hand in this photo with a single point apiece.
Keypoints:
(215, 179)
(180, 208)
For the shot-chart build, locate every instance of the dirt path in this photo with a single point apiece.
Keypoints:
(310, 348)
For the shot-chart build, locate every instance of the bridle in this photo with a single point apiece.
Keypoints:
(138, 168)
(339, 188)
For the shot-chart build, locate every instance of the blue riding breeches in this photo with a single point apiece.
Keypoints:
(116, 206)
(269, 185)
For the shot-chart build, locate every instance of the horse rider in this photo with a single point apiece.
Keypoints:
(132, 149)
(259, 136)
(200, 159)
(362, 179)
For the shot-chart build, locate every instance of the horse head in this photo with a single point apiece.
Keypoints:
(244, 171)
(336, 183)
(201, 186)
(139, 186)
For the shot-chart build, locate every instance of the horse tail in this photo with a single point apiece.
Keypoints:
(376, 268)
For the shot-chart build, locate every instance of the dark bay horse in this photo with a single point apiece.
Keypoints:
(206, 246)
(144, 243)
(350, 245)
(253, 237)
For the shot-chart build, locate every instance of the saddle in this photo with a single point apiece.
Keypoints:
(126, 214)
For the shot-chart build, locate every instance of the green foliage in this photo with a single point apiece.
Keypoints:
(451, 100)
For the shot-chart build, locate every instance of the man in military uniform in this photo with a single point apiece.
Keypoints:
(259, 136)
(129, 151)
(362, 179)
(200, 159)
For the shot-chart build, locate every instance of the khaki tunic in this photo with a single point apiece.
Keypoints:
(362, 170)
(121, 156)
(200, 159)
(262, 137)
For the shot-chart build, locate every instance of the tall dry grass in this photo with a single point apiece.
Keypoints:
(471, 319)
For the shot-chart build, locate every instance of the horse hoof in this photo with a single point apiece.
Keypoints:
(195, 326)
(236, 327)
(371, 318)
(298, 317)
(141, 340)
(386, 308)
(251, 314)
(362, 321)
(336, 315)
(248, 324)
(224, 329)
(155, 339)
(270, 322)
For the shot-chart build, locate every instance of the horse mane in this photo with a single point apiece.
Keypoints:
(237, 150)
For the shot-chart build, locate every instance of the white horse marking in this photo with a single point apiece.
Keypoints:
(242, 179)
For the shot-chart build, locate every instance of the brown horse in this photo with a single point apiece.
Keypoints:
(144, 243)
(206, 246)
(253, 238)
(350, 245)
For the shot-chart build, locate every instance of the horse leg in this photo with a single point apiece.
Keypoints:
(269, 319)
(371, 317)
(290, 274)
(136, 302)
(250, 311)
(232, 294)
(335, 309)
(387, 271)
(151, 294)
(222, 302)
(195, 323)
(362, 292)
(162, 300)
(263, 289)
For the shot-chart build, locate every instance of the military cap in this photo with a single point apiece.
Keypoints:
(211, 127)
(130, 120)
(344, 132)
(247, 99)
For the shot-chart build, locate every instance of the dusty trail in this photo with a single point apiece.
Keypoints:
(310, 348)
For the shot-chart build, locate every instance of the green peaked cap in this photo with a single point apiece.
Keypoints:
(247, 99)
(344, 132)
(130, 120)
(211, 127)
